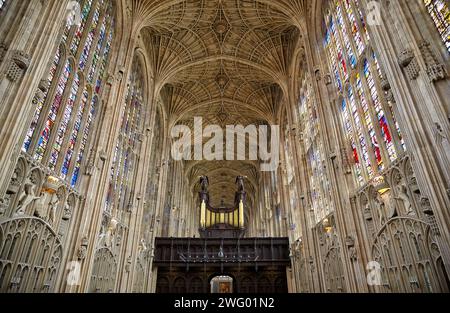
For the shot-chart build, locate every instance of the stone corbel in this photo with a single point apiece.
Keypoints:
(408, 62)
(20, 61)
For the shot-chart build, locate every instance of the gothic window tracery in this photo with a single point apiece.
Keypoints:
(35, 222)
(369, 122)
(67, 100)
(318, 180)
(440, 14)
(125, 160)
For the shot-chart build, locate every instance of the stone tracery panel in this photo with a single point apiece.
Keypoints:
(103, 276)
(401, 237)
(330, 250)
(35, 216)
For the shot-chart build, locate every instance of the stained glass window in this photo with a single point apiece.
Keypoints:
(440, 13)
(318, 179)
(63, 118)
(368, 119)
(125, 156)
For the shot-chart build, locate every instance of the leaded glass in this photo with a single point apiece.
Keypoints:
(62, 123)
(440, 13)
(368, 118)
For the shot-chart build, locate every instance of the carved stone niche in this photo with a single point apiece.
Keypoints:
(426, 206)
(435, 70)
(385, 85)
(82, 250)
(20, 61)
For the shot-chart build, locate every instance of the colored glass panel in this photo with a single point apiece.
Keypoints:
(440, 14)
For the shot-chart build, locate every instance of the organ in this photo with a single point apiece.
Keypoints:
(222, 222)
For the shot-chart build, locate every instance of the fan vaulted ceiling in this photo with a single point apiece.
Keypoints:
(224, 60)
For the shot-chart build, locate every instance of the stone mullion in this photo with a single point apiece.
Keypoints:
(30, 43)
(159, 206)
(70, 126)
(140, 185)
(60, 115)
(283, 188)
(340, 35)
(357, 139)
(101, 56)
(356, 11)
(86, 31)
(106, 143)
(163, 186)
(119, 178)
(123, 147)
(365, 129)
(344, 224)
(74, 28)
(49, 100)
(95, 39)
(350, 70)
(302, 184)
(63, 106)
(76, 105)
(348, 29)
(80, 135)
(386, 108)
(375, 121)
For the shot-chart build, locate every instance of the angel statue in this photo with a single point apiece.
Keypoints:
(27, 197)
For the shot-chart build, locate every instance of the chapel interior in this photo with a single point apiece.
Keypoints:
(92, 199)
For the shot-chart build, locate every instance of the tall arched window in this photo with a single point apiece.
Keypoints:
(318, 180)
(125, 161)
(68, 98)
(368, 119)
(440, 13)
